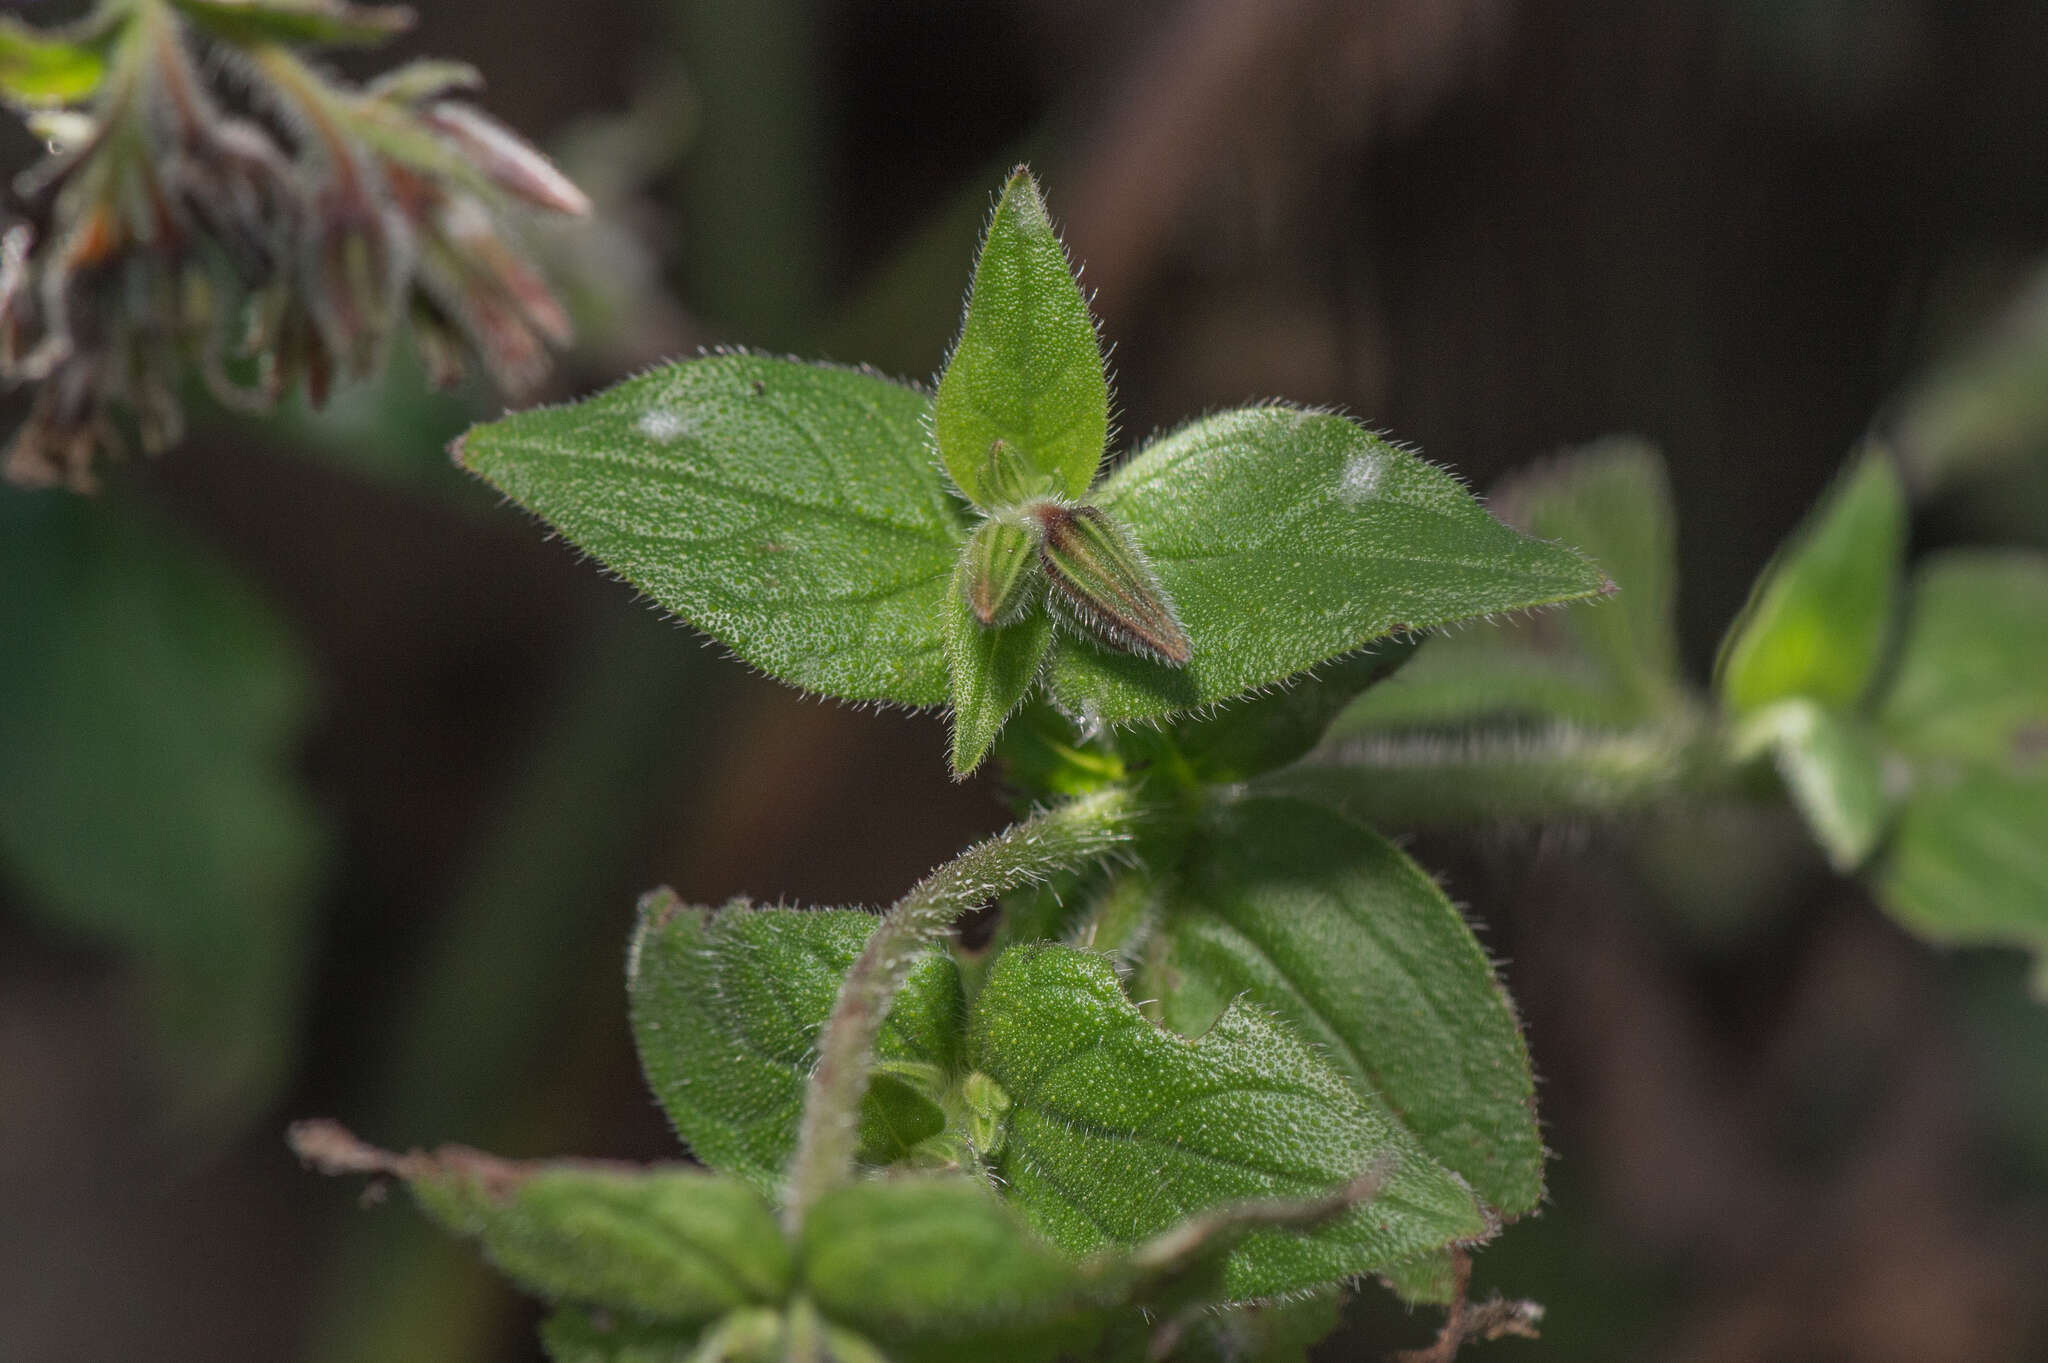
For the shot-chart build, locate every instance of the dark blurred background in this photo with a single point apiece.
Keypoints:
(375, 854)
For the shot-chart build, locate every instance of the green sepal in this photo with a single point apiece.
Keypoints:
(1820, 616)
(1000, 571)
(726, 1007)
(1102, 584)
(991, 669)
(1119, 1130)
(1027, 370)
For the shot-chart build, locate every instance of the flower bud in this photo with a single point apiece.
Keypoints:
(1002, 570)
(1105, 584)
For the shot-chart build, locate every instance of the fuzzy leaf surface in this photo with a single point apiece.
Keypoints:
(726, 1007)
(939, 1268)
(665, 1244)
(789, 510)
(1335, 930)
(1028, 368)
(1969, 858)
(1818, 619)
(1287, 538)
(319, 22)
(1119, 1130)
(1608, 662)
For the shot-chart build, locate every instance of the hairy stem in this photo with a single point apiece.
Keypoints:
(1435, 780)
(1068, 837)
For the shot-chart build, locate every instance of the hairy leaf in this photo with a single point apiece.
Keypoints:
(939, 1268)
(789, 510)
(1610, 662)
(727, 1004)
(1332, 928)
(1286, 538)
(1818, 619)
(666, 1244)
(150, 708)
(1027, 370)
(298, 21)
(992, 670)
(1119, 1130)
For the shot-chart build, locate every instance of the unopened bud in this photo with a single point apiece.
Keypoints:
(1002, 570)
(1105, 583)
(1011, 477)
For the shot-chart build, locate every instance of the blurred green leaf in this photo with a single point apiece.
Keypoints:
(1821, 614)
(319, 22)
(39, 69)
(938, 1268)
(789, 510)
(727, 1004)
(1333, 929)
(1987, 407)
(992, 669)
(1027, 369)
(1969, 860)
(1834, 772)
(1268, 1332)
(1118, 1130)
(576, 1335)
(1287, 538)
(670, 1244)
(1972, 680)
(1612, 662)
(150, 707)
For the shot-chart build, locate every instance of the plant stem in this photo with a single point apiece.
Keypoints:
(1560, 773)
(1068, 837)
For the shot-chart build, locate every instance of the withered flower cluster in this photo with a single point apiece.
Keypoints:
(214, 205)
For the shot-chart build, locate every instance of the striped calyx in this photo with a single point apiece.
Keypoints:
(1103, 583)
(1003, 576)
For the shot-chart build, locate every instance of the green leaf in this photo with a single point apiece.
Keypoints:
(1970, 680)
(664, 1243)
(576, 1335)
(1969, 859)
(320, 22)
(726, 1008)
(992, 670)
(40, 69)
(1833, 771)
(1027, 369)
(1612, 662)
(151, 708)
(1333, 929)
(789, 510)
(1240, 739)
(1286, 538)
(1119, 1130)
(939, 1268)
(1818, 619)
(1428, 1280)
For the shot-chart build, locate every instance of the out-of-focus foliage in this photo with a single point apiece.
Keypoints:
(151, 705)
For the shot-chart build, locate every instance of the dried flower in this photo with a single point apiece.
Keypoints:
(269, 227)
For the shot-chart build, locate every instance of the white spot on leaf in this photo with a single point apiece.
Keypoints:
(664, 424)
(1361, 477)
